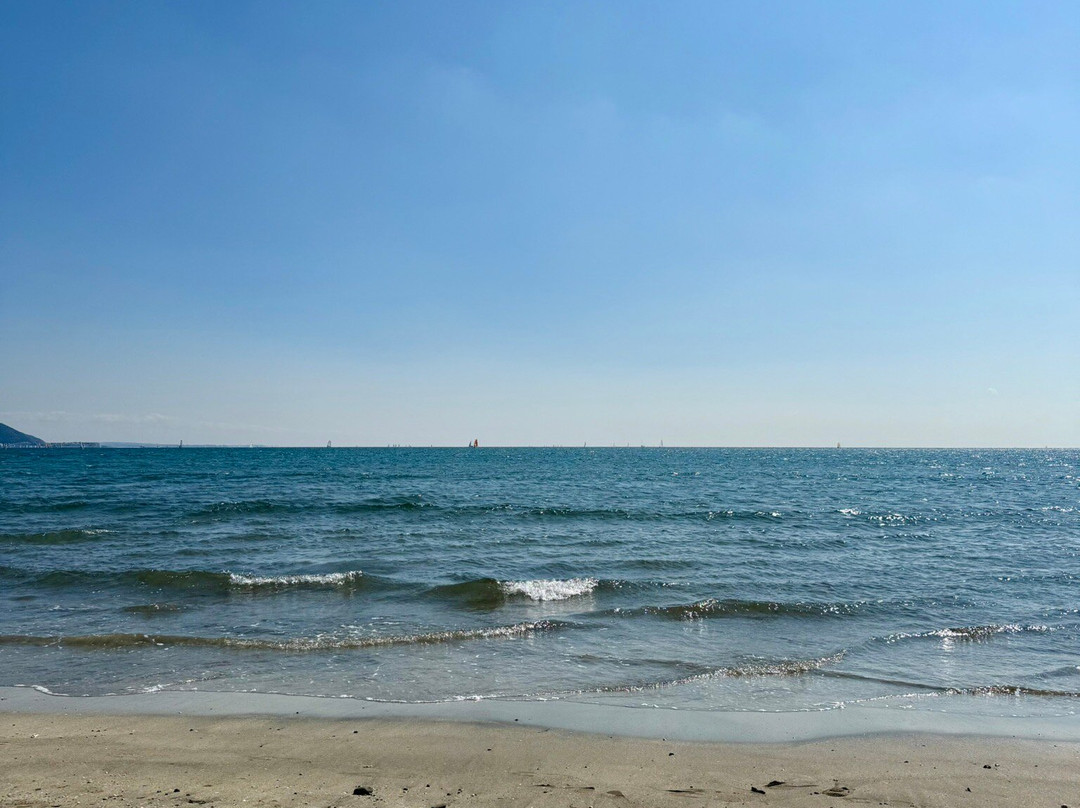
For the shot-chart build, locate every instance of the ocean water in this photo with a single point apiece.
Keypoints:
(705, 579)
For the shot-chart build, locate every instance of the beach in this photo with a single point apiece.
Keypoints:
(53, 759)
(514, 404)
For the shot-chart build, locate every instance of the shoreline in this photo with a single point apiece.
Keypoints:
(58, 759)
(644, 723)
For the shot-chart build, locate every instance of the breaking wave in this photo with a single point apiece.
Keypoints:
(551, 589)
(331, 579)
(489, 593)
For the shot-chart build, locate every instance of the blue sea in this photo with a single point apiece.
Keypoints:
(705, 579)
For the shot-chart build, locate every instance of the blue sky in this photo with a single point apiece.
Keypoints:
(539, 223)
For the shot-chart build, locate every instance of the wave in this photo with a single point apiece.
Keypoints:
(297, 644)
(382, 504)
(158, 579)
(350, 579)
(249, 507)
(890, 518)
(489, 593)
(240, 508)
(583, 513)
(733, 607)
(649, 516)
(194, 580)
(1011, 690)
(551, 589)
(46, 506)
(925, 689)
(882, 680)
(969, 633)
(416, 503)
(738, 515)
(481, 593)
(225, 509)
(52, 536)
(786, 667)
(1064, 670)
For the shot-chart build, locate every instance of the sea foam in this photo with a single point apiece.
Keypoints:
(327, 579)
(551, 589)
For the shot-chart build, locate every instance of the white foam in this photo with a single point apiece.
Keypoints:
(889, 518)
(970, 632)
(42, 689)
(552, 589)
(329, 579)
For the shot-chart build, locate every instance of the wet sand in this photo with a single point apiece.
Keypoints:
(52, 759)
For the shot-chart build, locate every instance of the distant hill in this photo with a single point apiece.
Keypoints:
(9, 437)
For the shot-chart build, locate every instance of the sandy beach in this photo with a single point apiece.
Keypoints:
(63, 760)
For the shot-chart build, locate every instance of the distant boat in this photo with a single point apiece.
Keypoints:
(181, 446)
(328, 444)
(838, 444)
(475, 444)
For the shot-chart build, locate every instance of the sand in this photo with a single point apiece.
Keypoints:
(63, 760)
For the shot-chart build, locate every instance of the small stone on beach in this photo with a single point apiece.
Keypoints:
(362, 791)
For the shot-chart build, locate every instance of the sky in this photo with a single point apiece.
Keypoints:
(538, 223)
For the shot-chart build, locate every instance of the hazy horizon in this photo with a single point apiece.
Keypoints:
(712, 224)
(632, 445)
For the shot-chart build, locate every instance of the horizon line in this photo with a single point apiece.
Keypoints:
(178, 446)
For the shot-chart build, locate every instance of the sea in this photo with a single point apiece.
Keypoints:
(775, 580)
